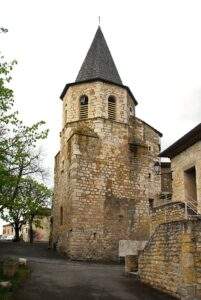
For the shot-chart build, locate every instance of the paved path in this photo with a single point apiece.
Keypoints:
(55, 278)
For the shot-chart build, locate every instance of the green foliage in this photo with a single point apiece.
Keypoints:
(21, 275)
(37, 198)
(20, 157)
(8, 120)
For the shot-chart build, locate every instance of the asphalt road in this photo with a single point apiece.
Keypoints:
(54, 278)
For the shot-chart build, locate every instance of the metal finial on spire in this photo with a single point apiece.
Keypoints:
(98, 20)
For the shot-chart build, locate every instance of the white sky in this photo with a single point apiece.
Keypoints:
(155, 44)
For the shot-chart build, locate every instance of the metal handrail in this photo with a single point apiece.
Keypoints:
(190, 204)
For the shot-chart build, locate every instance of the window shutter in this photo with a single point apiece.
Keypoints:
(83, 107)
(111, 108)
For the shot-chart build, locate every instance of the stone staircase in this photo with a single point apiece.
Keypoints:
(189, 213)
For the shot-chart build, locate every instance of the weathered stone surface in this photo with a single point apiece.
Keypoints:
(22, 261)
(166, 177)
(9, 268)
(5, 284)
(101, 182)
(173, 211)
(171, 260)
(189, 158)
(130, 247)
(131, 264)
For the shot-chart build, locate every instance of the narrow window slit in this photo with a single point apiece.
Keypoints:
(111, 108)
(84, 107)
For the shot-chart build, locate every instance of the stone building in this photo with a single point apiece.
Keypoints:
(41, 230)
(185, 155)
(8, 230)
(171, 259)
(104, 171)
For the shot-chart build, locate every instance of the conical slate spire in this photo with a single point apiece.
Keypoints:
(99, 62)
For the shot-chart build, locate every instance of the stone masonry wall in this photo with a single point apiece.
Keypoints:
(102, 185)
(196, 231)
(185, 160)
(173, 211)
(98, 93)
(171, 259)
(166, 178)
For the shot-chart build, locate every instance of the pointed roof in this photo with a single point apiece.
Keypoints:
(99, 62)
(98, 66)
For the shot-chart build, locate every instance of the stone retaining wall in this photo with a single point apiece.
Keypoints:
(171, 261)
(172, 211)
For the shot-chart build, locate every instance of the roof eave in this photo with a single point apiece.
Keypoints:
(185, 142)
(94, 80)
(166, 153)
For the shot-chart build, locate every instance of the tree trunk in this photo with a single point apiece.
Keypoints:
(17, 232)
(31, 233)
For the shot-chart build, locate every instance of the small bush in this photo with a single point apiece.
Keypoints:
(21, 275)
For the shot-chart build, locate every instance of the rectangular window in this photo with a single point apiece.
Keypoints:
(151, 203)
(61, 215)
(62, 166)
(84, 107)
(111, 108)
(190, 185)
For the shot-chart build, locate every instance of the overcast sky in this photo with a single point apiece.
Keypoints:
(156, 46)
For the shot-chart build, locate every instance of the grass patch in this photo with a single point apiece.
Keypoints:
(20, 276)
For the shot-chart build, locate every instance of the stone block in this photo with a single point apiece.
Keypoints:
(130, 247)
(5, 284)
(22, 261)
(9, 268)
(131, 264)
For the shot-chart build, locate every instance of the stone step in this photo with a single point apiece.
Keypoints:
(134, 275)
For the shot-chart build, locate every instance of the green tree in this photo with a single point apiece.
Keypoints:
(33, 200)
(37, 199)
(14, 215)
(8, 120)
(20, 156)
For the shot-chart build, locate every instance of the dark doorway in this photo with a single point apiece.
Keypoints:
(190, 185)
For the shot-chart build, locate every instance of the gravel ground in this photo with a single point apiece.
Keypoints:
(54, 278)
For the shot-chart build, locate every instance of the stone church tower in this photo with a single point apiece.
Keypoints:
(104, 178)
